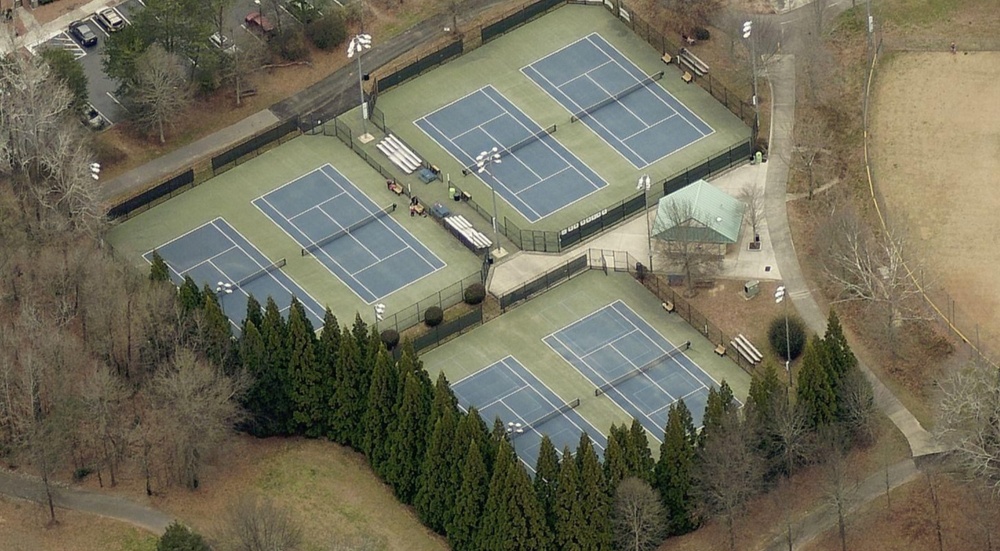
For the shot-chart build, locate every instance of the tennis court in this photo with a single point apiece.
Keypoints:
(345, 231)
(639, 369)
(506, 389)
(537, 175)
(628, 109)
(215, 252)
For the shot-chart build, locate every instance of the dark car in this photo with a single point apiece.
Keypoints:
(257, 22)
(110, 20)
(83, 33)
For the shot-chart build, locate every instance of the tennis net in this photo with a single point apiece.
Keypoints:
(550, 416)
(262, 272)
(616, 97)
(507, 150)
(642, 369)
(349, 229)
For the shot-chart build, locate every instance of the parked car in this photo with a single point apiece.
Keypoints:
(83, 33)
(257, 22)
(222, 42)
(110, 20)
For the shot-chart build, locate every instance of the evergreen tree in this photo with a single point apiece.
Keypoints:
(408, 437)
(305, 377)
(253, 359)
(327, 348)
(471, 427)
(254, 313)
(512, 518)
(497, 435)
(570, 525)
(815, 389)
(640, 457)
(158, 269)
(616, 466)
(435, 499)
(381, 413)
(546, 481)
(190, 296)
(444, 399)
(178, 537)
(838, 355)
(463, 530)
(675, 471)
(360, 332)
(767, 393)
(349, 404)
(595, 499)
(719, 405)
(216, 340)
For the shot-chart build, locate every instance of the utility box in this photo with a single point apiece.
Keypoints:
(751, 288)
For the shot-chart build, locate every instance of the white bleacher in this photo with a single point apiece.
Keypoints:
(399, 154)
(471, 235)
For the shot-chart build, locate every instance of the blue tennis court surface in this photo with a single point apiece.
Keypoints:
(644, 126)
(506, 389)
(374, 259)
(217, 252)
(537, 177)
(615, 340)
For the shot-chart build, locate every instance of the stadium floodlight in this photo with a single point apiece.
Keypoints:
(779, 297)
(643, 185)
(484, 161)
(358, 45)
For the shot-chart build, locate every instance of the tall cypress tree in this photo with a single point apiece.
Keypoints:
(408, 437)
(615, 463)
(595, 499)
(839, 357)
(272, 383)
(471, 427)
(497, 435)
(675, 476)
(767, 394)
(327, 350)
(719, 405)
(546, 480)
(381, 413)
(158, 269)
(512, 519)
(305, 377)
(815, 389)
(444, 399)
(216, 341)
(190, 296)
(253, 353)
(435, 499)
(570, 525)
(640, 457)
(349, 403)
(463, 530)
(255, 313)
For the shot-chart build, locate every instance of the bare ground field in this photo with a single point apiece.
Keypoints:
(906, 520)
(25, 526)
(936, 148)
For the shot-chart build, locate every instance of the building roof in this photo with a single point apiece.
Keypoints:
(714, 215)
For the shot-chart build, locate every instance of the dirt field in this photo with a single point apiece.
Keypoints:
(937, 153)
(24, 527)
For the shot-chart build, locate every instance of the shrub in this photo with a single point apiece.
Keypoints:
(291, 44)
(81, 473)
(701, 33)
(475, 293)
(328, 31)
(796, 336)
(390, 338)
(433, 316)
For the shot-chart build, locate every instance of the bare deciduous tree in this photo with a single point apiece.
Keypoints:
(693, 13)
(104, 397)
(255, 523)
(868, 266)
(683, 236)
(637, 516)
(203, 406)
(729, 472)
(753, 197)
(810, 154)
(241, 63)
(161, 90)
(839, 487)
(967, 421)
(792, 437)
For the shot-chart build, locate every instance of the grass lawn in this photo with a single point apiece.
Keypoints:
(24, 526)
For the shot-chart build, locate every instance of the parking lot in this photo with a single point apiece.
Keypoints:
(102, 89)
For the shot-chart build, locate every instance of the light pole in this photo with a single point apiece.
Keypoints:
(379, 312)
(747, 31)
(95, 171)
(779, 296)
(484, 161)
(222, 289)
(514, 430)
(359, 44)
(643, 186)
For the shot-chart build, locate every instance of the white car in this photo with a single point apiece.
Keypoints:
(222, 42)
(110, 20)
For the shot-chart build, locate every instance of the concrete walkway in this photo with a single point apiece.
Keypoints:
(31, 488)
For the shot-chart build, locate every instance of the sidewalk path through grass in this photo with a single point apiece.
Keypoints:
(30, 488)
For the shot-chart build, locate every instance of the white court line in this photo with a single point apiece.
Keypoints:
(477, 127)
(316, 206)
(181, 236)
